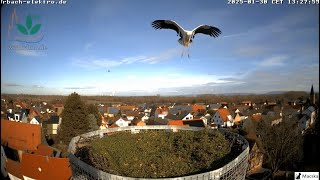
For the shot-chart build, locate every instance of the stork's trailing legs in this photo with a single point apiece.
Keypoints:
(182, 52)
(188, 53)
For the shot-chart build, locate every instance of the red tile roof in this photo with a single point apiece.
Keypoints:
(127, 107)
(51, 167)
(224, 113)
(198, 107)
(176, 123)
(162, 110)
(43, 150)
(20, 135)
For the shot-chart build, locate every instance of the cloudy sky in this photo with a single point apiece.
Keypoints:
(110, 48)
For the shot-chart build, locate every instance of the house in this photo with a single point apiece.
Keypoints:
(33, 113)
(239, 117)
(223, 118)
(104, 124)
(18, 116)
(138, 122)
(131, 115)
(213, 106)
(179, 108)
(187, 117)
(58, 108)
(307, 118)
(147, 111)
(224, 104)
(31, 159)
(53, 124)
(161, 112)
(246, 103)
(206, 118)
(122, 122)
(112, 111)
(124, 109)
(102, 109)
(239, 108)
(145, 117)
(198, 108)
(35, 120)
(20, 105)
(184, 115)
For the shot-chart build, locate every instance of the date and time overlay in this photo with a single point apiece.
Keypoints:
(289, 2)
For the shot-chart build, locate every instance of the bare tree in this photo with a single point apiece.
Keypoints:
(282, 143)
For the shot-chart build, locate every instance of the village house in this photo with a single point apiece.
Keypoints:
(138, 122)
(58, 108)
(131, 115)
(35, 120)
(198, 108)
(121, 122)
(213, 106)
(53, 125)
(161, 112)
(111, 112)
(222, 118)
(246, 103)
(32, 159)
(184, 115)
(124, 109)
(179, 108)
(307, 118)
(206, 118)
(104, 124)
(239, 117)
(145, 117)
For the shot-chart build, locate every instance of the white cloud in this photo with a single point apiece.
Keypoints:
(97, 63)
(234, 35)
(274, 61)
(152, 84)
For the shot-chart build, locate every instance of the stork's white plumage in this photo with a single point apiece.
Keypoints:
(186, 36)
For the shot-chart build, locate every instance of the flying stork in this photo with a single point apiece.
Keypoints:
(186, 36)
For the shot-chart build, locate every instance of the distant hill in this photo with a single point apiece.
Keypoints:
(277, 92)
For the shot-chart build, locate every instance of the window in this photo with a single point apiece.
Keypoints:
(11, 153)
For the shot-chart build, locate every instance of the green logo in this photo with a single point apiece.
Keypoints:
(28, 29)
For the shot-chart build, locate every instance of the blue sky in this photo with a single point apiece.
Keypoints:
(262, 48)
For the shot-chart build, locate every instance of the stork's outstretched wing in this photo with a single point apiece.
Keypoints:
(167, 24)
(208, 30)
